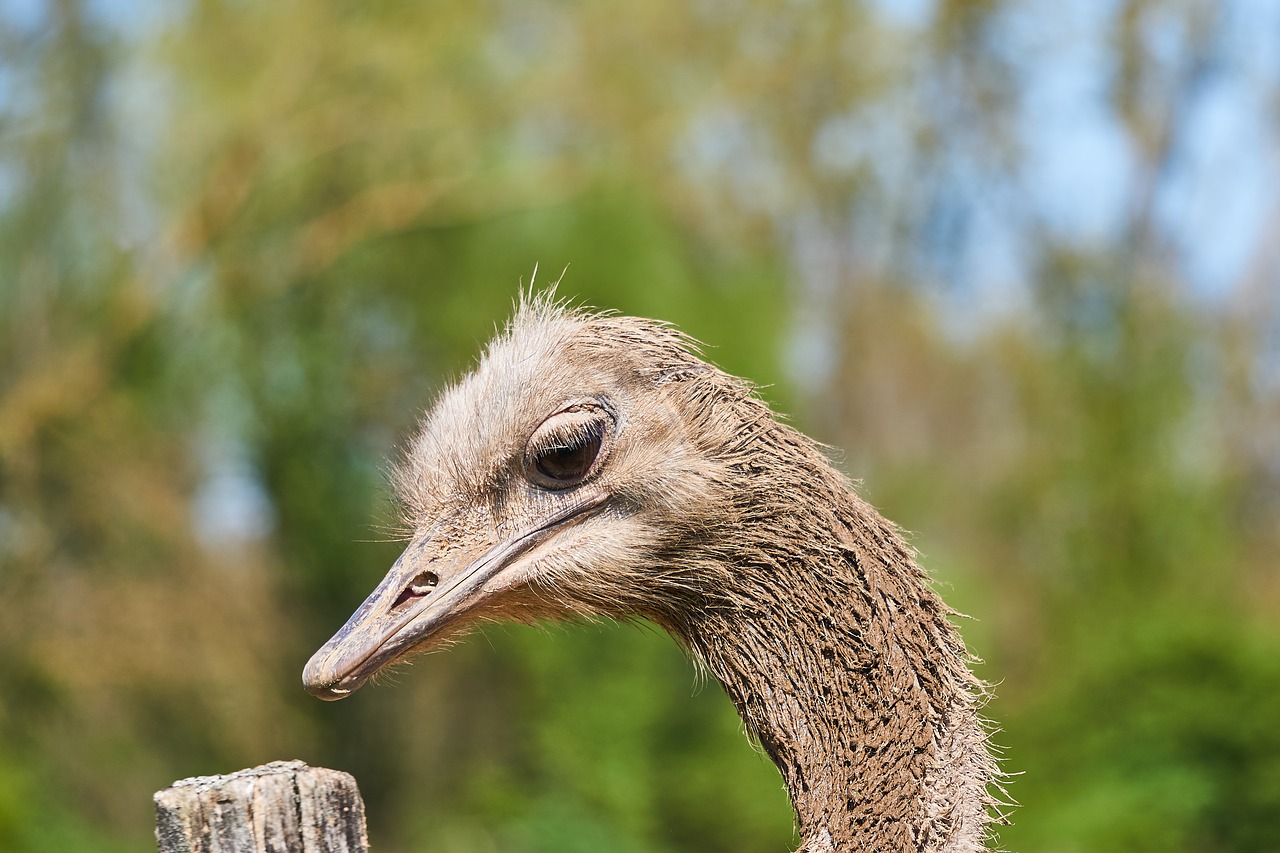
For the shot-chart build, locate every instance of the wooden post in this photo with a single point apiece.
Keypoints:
(281, 807)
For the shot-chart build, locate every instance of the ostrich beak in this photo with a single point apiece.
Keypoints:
(414, 605)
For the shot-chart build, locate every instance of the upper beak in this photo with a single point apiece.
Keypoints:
(413, 605)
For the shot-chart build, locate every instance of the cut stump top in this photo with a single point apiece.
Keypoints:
(281, 807)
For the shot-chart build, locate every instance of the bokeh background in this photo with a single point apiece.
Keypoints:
(1019, 260)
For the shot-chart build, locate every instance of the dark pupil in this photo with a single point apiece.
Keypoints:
(571, 462)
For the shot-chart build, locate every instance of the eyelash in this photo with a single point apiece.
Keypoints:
(568, 439)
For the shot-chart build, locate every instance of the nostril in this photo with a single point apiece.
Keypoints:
(419, 587)
(423, 583)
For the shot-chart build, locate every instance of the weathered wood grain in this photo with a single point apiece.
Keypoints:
(281, 807)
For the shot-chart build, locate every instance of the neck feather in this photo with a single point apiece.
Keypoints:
(844, 664)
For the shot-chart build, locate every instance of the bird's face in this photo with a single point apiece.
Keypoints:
(563, 477)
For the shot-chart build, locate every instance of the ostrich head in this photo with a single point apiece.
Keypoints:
(594, 465)
(586, 467)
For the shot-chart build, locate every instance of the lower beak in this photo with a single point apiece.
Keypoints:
(411, 608)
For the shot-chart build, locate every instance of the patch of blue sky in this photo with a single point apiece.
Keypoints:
(231, 506)
(1216, 205)
(24, 15)
(1081, 170)
(131, 18)
(907, 14)
(1079, 166)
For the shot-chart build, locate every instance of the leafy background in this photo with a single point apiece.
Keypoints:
(1016, 259)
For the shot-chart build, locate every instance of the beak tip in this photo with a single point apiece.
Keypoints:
(319, 682)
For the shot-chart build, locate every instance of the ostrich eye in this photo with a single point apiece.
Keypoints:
(564, 450)
(569, 463)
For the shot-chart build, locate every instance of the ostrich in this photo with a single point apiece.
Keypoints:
(595, 465)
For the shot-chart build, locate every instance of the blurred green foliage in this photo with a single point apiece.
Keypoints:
(241, 246)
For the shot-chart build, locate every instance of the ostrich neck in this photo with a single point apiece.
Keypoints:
(844, 665)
